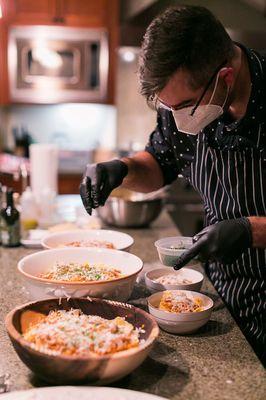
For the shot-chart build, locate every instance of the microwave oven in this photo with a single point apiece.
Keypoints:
(49, 64)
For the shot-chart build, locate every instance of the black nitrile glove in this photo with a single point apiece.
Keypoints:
(98, 182)
(223, 242)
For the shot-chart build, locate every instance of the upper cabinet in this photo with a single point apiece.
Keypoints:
(84, 13)
(61, 13)
(31, 11)
(68, 12)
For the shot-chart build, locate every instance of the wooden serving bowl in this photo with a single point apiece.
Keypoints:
(94, 368)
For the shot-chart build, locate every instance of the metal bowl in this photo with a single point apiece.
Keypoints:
(132, 214)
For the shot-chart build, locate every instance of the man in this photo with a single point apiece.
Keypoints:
(210, 98)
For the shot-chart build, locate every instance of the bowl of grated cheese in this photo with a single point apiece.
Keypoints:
(160, 279)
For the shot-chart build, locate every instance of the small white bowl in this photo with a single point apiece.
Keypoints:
(195, 277)
(180, 323)
(120, 240)
(170, 248)
(118, 289)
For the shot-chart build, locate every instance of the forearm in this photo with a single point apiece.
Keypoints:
(258, 228)
(144, 174)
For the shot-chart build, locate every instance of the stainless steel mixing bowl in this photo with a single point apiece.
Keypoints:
(127, 213)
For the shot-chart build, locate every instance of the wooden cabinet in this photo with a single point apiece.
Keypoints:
(90, 13)
(84, 13)
(4, 91)
(31, 11)
(72, 13)
(67, 183)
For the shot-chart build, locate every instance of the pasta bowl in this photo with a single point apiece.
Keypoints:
(33, 266)
(88, 238)
(160, 279)
(62, 369)
(181, 323)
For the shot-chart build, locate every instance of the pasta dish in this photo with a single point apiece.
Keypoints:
(73, 333)
(90, 243)
(75, 272)
(180, 303)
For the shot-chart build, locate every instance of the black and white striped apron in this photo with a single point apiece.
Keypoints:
(232, 184)
(226, 164)
(229, 172)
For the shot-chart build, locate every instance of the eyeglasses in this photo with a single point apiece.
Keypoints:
(160, 104)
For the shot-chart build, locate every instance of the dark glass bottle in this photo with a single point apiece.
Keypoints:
(10, 222)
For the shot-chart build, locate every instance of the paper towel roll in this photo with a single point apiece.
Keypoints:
(43, 168)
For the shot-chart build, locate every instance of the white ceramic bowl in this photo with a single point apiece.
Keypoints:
(118, 289)
(195, 277)
(182, 323)
(120, 240)
(170, 248)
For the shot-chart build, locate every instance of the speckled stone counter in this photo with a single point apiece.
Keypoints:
(214, 363)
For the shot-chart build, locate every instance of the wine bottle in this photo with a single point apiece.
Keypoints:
(10, 222)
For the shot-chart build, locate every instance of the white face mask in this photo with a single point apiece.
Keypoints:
(203, 116)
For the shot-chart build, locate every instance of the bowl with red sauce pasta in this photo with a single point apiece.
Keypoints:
(66, 341)
(180, 311)
(94, 238)
(80, 272)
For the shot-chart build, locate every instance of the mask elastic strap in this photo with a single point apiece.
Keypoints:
(214, 90)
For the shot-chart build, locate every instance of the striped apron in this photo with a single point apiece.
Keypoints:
(226, 164)
(232, 185)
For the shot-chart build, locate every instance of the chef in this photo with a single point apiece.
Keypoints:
(209, 93)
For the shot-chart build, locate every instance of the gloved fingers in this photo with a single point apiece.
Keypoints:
(93, 175)
(97, 185)
(85, 194)
(200, 234)
(191, 253)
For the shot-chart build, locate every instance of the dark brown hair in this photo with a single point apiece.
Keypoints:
(188, 37)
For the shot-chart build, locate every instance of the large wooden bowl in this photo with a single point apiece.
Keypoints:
(94, 368)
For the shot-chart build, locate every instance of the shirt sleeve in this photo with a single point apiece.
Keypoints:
(159, 146)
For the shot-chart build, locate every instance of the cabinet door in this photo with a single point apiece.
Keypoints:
(33, 11)
(4, 96)
(90, 13)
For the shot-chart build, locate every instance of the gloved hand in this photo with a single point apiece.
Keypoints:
(223, 242)
(98, 182)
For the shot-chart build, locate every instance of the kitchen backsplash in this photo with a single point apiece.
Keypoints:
(71, 126)
(135, 120)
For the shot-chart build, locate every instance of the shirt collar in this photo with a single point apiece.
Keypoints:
(256, 88)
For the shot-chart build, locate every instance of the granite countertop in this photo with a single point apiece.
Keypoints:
(214, 363)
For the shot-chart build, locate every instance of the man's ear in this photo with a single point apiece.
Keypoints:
(227, 74)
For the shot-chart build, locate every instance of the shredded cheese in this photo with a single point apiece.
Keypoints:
(89, 243)
(172, 279)
(180, 303)
(75, 272)
(73, 333)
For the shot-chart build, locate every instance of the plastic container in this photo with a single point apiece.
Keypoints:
(170, 248)
(29, 210)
